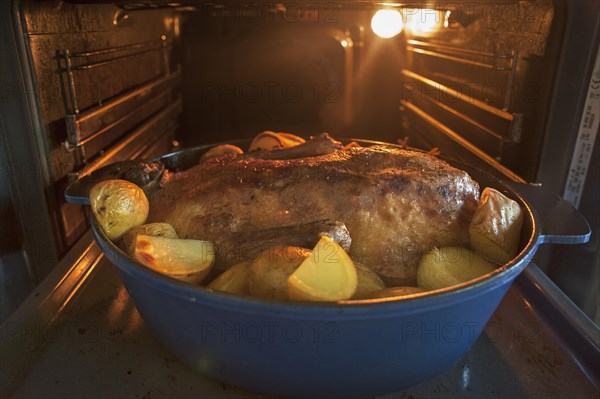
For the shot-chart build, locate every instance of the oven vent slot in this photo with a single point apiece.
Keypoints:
(90, 131)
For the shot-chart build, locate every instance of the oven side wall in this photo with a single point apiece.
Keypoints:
(115, 53)
(27, 236)
(574, 268)
(52, 29)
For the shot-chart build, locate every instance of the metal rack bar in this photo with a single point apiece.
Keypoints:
(454, 80)
(511, 80)
(458, 50)
(452, 58)
(92, 65)
(144, 130)
(83, 128)
(480, 59)
(106, 122)
(130, 96)
(460, 96)
(115, 49)
(457, 138)
(465, 118)
(153, 148)
(68, 57)
(71, 83)
(104, 137)
(109, 127)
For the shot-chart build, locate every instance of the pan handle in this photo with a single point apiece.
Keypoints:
(559, 221)
(78, 192)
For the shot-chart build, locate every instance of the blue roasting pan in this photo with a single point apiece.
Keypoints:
(330, 350)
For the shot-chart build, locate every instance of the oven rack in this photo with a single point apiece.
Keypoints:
(158, 128)
(487, 133)
(454, 144)
(499, 62)
(493, 123)
(502, 66)
(90, 131)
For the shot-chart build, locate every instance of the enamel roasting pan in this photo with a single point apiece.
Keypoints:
(329, 350)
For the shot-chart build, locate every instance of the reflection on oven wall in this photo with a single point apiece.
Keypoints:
(307, 70)
(476, 81)
(248, 69)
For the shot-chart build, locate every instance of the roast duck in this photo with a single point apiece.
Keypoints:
(386, 205)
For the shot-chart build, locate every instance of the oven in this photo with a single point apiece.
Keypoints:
(508, 86)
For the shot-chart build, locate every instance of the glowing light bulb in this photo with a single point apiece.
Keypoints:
(387, 23)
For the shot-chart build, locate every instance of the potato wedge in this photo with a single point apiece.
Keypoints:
(118, 205)
(186, 260)
(233, 280)
(449, 266)
(393, 292)
(291, 138)
(150, 229)
(268, 140)
(367, 281)
(496, 227)
(269, 272)
(265, 141)
(327, 275)
(221, 150)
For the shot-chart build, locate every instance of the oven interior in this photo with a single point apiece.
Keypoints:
(104, 82)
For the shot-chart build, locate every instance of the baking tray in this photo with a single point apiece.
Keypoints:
(79, 335)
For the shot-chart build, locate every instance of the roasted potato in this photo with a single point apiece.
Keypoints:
(328, 274)
(269, 272)
(186, 260)
(268, 140)
(150, 229)
(367, 281)
(291, 138)
(496, 227)
(393, 292)
(449, 266)
(221, 150)
(233, 280)
(118, 205)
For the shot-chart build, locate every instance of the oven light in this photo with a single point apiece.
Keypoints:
(387, 23)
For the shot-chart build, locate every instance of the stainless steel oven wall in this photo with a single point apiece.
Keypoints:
(299, 67)
(85, 57)
(576, 270)
(254, 67)
(478, 79)
(28, 249)
(100, 85)
(503, 85)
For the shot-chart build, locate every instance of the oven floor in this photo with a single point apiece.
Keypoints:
(102, 349)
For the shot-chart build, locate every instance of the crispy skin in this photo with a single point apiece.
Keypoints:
(396, 204)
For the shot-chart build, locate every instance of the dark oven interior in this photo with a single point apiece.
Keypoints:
(493, 84)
